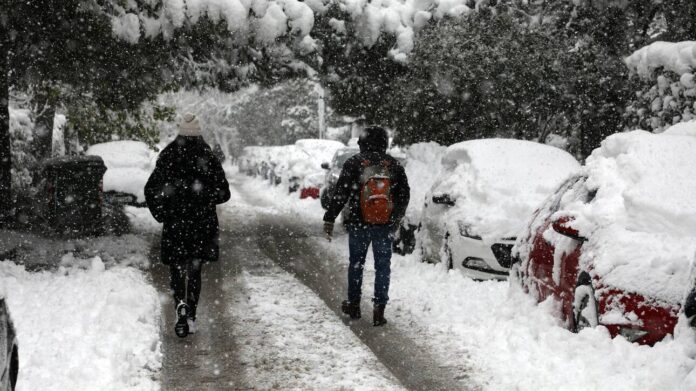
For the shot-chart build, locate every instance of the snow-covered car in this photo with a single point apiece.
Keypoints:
(279, 158)
(486, 192)
(304, 169)
(333, 171)
(615, 244)
(9, 363)
(422, 162)
(128, 166)
(249, 161)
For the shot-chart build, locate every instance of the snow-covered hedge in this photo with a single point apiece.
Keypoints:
(669, 93)
(21, 135)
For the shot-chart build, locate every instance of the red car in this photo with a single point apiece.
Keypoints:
(612, 244)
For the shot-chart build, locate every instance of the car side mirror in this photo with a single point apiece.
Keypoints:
(443, 199)
(562, 226)
(325, 166)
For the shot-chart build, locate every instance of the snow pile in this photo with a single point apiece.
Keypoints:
(497, 183)
(678, 57)
(641, 224)
(514, 344)
(86, 328)
(422, 168)
(682, 129)
(128, 166)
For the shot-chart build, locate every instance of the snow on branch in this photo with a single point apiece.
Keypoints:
(264, 21)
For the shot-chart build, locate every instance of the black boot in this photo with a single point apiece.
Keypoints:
(378, 315)
(351, 309)
(181, 327)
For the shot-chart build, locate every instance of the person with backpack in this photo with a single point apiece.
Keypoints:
(182, 193)
(375, 187)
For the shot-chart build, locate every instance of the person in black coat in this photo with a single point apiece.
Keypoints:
(182, 192)
(350, 189)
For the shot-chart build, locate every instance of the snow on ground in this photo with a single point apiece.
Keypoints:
(495, 328)
(296, 342)
(89, 318)
(84, 327)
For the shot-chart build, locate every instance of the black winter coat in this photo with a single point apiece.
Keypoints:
(347, 189)
(182, 192)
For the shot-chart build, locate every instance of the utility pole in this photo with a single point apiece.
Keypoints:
(321, 108)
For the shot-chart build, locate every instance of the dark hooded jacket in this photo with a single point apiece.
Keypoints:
(187, 183)
(347, 190)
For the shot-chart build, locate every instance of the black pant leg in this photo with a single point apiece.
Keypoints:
(194, 286)
(177, 282)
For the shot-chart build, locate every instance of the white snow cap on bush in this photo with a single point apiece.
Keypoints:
(678, 57)
(641, 224)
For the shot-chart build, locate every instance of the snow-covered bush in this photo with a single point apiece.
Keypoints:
(488, 75)
(21, 136)
(668, 93)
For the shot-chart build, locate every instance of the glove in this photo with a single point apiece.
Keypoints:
(328, 229)
(394, 229)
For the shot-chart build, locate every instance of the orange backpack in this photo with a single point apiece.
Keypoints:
(376, 202)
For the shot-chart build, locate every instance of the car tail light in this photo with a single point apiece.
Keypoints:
(632, 334)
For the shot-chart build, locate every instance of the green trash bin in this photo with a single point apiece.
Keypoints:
(73, 194)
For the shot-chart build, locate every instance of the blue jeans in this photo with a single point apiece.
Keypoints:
(359, 239)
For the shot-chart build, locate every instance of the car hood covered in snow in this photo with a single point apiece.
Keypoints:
(128, 163)
(497, 183)
(641, 224)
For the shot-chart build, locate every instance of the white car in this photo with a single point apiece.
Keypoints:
(486, 191)
(128, 166)
(305, 171)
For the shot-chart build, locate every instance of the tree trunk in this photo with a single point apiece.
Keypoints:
(45, 100)
(5, 146)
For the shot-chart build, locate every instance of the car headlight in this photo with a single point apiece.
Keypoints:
(466, 231)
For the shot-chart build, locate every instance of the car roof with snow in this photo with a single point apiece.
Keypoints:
(129, 165)
(124, 153)
(641, 220)
(312, 153)
(497, 183)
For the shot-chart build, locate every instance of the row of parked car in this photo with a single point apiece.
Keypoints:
(613, 241)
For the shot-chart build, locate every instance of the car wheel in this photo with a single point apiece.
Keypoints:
(585, 312)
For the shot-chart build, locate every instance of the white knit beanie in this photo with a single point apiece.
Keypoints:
(189, 126)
